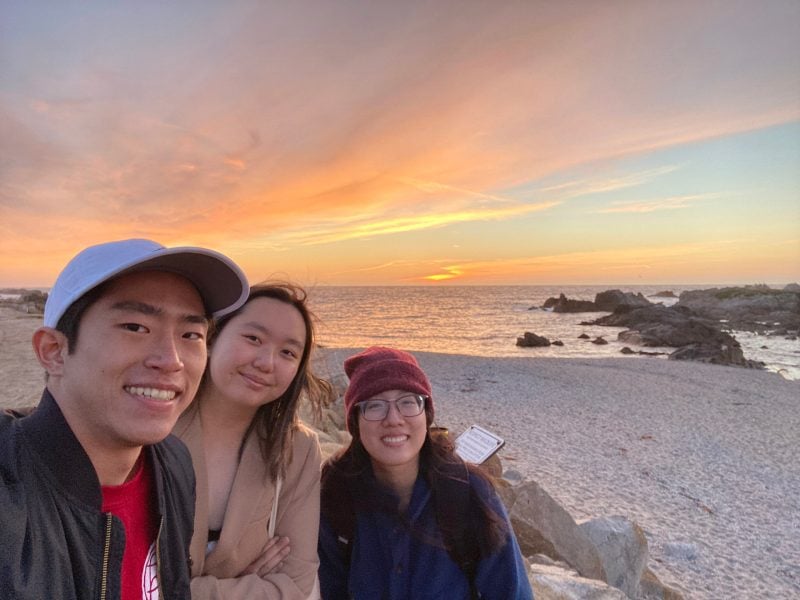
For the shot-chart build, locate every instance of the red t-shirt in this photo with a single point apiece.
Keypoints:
(134, 503)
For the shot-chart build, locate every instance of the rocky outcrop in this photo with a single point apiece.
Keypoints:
(531, 340)
(677, 327)
(544, 527)
(622, 546)
(664, 294)
(610, 300)
(557, 583)
(562, 304)
(750, 308)
(627, 350)
(606, 301)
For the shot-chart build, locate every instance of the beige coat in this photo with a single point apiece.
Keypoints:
(244, 527)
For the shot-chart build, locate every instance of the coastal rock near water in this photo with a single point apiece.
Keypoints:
(606, 301)
(677, 327)
(610, 300)
(664, 294)
(562, 304)
(756, 308)
(531, 340)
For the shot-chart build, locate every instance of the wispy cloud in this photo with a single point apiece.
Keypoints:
(343, 228)
(659, 204)
(573, 189)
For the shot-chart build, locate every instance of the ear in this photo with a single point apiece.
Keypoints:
(50, 347)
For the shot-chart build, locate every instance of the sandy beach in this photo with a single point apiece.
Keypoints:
(704, 458)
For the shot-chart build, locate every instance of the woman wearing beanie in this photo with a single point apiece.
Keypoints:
(402, 515)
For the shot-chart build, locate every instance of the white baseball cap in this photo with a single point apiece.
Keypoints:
(220, 282)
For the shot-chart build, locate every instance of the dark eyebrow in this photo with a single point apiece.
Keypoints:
(258, 326)
(150, 310)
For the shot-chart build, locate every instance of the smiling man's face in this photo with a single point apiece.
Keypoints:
(137, 364)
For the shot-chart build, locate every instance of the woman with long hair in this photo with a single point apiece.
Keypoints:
(257, 466)
(402, 515)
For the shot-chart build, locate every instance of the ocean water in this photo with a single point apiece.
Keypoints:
(486, 321)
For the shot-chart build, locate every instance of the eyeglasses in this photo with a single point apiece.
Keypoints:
(377, 408)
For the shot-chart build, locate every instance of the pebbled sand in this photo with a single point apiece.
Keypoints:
(704, 458)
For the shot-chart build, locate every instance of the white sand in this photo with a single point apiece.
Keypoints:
(704, 458)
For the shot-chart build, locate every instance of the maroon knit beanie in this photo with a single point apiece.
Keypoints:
(378, 369)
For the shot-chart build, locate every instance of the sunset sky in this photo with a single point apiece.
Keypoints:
(401, 142)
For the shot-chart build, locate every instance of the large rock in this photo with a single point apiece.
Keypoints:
(651, 588)
(543, 526)
(562, 304)
(751, 308)
(677, 327)
(606, 301)
(531, 340)
(609, 300)
(554, 583)
(622, 546)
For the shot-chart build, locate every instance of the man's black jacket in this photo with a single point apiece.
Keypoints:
(55, 542)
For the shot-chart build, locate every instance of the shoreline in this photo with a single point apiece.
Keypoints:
(703, 457)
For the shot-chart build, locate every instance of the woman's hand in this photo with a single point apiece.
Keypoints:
(276, 549)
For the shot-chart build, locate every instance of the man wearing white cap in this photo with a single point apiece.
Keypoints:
(96, 498)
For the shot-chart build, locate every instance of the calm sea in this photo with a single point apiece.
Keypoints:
(486, 321)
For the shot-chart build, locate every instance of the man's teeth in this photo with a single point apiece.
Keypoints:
(395, 439)
(151, 392)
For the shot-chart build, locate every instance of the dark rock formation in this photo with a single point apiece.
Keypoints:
(562, 304)
(677, 327)
(751, 308)
(531, 340)
(627, 350)
(583, 336)
(611, 299)
(599, 341)
(664, 294)
(606, 301)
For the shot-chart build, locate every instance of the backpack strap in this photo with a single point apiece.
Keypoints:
(337, 506)
(456, 523)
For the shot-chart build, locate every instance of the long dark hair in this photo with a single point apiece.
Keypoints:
(349, 485)
(275, 422)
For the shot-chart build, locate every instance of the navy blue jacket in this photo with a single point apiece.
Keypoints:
(389, 563)
(55, 542)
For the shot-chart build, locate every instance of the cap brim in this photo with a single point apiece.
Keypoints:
(220, 282)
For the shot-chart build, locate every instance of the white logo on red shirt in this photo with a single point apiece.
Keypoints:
(150, 575)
